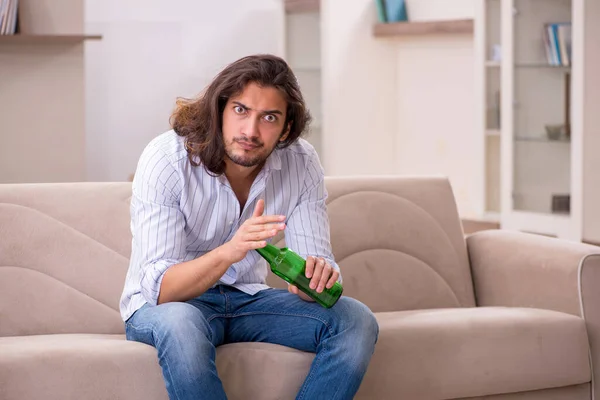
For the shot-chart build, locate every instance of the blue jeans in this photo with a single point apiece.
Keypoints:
(187, 334)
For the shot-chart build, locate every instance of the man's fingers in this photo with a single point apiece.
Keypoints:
(259, 218)
(293, 289)
(254, 236)
(265, 219)
(261, 228)
(324, 277)
(256, 245)
(334, 277)
(316, 276)
(259, 208)
(310, 266)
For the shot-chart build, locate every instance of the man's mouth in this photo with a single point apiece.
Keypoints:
(247, 145)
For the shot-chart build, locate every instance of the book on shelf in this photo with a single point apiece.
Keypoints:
(557, 42)
(381, 15)
(391, 11)
(8, 16)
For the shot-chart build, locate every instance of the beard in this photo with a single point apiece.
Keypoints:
(242, 158)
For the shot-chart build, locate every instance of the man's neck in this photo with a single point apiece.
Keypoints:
(241, 180)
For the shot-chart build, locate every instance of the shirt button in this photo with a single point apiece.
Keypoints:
(230, 223)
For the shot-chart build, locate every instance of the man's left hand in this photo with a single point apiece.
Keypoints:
(322, 275)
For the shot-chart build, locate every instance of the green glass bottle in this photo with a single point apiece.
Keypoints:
(291, 267)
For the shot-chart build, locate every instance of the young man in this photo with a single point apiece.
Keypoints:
(231, 174)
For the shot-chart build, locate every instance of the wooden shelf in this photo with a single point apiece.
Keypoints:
(498, 64)
(46, 39)
(302, 6)
(423, 28)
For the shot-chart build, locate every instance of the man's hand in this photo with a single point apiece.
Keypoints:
(321, 274)
(252, 234)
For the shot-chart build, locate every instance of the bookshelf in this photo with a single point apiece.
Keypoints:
(536, 91)
(393, 29)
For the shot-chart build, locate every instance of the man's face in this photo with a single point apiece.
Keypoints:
(253, 124)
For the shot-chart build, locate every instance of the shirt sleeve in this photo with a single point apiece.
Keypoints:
(157, 223)
(307, 230)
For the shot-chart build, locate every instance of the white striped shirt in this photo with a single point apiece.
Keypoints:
(180, 212)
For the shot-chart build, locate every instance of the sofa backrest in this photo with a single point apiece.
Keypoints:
(64, 250)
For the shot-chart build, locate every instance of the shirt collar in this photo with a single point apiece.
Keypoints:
(273, 161)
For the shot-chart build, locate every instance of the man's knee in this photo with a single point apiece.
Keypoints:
(173, 320)
(357, 319)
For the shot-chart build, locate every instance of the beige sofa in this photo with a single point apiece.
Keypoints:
(499, 316)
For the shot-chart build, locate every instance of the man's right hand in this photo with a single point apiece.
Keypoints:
(253, 233)
(190, 279)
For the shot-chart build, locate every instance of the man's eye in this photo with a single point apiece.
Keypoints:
(239, 109)
(270, 118)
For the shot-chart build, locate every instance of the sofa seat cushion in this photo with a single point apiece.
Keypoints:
(78, 366)
(468, 352)
(425, 354)
(99, 366)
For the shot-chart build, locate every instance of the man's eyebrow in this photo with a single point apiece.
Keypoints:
(262, 112)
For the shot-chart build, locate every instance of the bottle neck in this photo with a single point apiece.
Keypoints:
(269, 253)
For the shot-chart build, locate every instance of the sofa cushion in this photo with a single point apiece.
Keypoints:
(429, 354)
(78, 366)
(456, 353)
(64, 249)
(97, 366)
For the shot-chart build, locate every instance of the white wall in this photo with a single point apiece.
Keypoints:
(359, 91)
(152, 52)
(436, 128)
(388, 105)
(436, 131)
(401, 105)
(42, 97)
(429, 10)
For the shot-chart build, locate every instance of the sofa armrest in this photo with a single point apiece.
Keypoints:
(517, 269)
(589, 282)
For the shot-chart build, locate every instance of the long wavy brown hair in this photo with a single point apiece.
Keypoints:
(200, 120)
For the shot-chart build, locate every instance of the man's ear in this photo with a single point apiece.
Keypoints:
(286, 132)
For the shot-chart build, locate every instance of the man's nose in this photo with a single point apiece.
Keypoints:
(251, 128)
